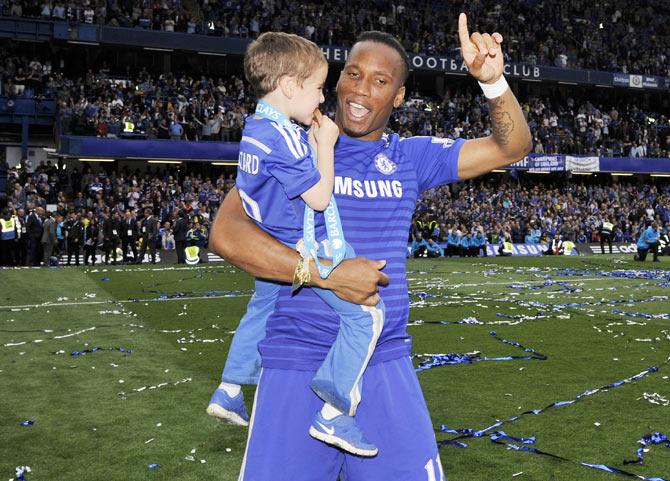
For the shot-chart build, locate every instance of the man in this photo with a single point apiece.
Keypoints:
(648, 241)
(110, 231)
(606, 228)
(556, 246)
(22, 238)
(129, 236)
(302, 328)
(35, 228)
(75, 234)
(149, 236)
(8, 234)
(49, 239)
(180, 230)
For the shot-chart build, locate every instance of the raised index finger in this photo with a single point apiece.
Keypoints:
(463, 33)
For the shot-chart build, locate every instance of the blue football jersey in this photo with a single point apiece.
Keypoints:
(275, 168)
(377, 184)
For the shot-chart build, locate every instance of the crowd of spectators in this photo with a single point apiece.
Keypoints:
(464, 216)
(182, 106)
(92, 198)
(604, 35)
(531, 211)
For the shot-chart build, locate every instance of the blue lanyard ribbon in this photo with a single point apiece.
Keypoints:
(336, 242)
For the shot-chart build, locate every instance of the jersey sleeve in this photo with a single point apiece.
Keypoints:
(290, 161)
(435, 159)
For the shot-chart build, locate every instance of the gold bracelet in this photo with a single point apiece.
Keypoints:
(301, 275)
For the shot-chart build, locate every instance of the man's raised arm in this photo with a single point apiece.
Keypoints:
(241, 242)
(510, 139)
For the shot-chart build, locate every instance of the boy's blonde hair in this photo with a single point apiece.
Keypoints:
(274, 55)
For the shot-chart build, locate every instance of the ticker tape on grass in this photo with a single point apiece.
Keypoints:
(499, 437)
(96, 349)
(435, 360)
(547, 283)
(124, 395)
(648, 440)
(508, 441)
(472, 433)
(21, 472)
(649, 274)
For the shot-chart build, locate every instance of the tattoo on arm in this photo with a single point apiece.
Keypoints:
(501, 121)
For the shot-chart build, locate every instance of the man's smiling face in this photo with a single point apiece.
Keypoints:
(370, 86)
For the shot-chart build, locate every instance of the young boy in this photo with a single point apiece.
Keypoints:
(276, 177)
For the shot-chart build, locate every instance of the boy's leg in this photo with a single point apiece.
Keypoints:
(244, 361)
(338, 379)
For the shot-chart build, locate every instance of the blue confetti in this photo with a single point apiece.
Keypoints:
(21, 472)
(28, 422)
(104, 279)
(648, 440)
(154, 466)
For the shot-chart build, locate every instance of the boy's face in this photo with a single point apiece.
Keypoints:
(309, 96)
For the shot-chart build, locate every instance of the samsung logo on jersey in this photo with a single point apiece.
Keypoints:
(248, 163)
(368, 188)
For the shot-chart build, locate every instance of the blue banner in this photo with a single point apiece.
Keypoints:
(541, 162)
(92, 147)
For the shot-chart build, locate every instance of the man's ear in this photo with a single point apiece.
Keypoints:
(399, 97)
(288, 86)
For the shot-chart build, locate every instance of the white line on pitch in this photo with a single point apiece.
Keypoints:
(91, 303)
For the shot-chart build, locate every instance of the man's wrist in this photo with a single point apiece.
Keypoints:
(495, 89)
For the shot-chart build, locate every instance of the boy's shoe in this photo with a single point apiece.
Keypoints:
(343, 432)
(230, 409)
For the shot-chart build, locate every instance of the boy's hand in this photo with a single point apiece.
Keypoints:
(323, 131)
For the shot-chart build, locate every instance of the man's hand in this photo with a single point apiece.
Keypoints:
(481, 52)
(356, 280)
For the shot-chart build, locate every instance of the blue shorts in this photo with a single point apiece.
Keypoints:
(392, 414)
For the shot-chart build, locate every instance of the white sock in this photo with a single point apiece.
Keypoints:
(231, 389)
(328, 411)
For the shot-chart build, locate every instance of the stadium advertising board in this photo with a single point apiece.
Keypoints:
(588, 164)
(521, 250)
(639, 81)
(629, 248)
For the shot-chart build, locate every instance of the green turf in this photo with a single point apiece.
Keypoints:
(91, 424)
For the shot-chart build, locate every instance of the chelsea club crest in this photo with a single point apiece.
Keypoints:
(385, 165)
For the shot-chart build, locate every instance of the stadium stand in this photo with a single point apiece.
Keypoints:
(158, 95)
(579, 33)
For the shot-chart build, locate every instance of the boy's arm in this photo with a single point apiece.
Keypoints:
(318, 196)
(236, 238)
(322, 136)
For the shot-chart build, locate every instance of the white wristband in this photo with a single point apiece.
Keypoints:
(496, 89)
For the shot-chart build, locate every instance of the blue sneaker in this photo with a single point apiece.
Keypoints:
(230, 409)
(343, 432)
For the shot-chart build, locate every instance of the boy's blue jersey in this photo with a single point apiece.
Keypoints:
(275, 167)
(377, 184)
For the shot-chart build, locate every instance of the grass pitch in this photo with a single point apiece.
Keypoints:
(108, 415)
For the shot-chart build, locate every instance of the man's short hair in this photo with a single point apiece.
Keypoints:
(391, 41)
(277, 54)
